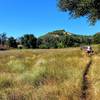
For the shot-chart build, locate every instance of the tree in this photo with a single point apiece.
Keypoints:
(49, 42)
(78, 8)
(29, 41)
(97, 38)
(12, 42)
(3, 38)
(39, 42)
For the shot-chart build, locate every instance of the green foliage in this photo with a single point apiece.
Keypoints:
(78, 8)
(62, 39)
(3, 38)
(29, 41)
(43, 46)
(97, 38)
(60, 45)
(49, 41)
(11, 42)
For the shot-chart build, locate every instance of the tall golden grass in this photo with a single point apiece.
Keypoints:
(54, 74)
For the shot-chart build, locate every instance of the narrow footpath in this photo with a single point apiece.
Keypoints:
(85, 81)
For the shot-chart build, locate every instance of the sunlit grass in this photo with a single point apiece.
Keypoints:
(94, 76)
(54, 74)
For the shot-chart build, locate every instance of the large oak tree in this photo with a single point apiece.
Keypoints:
(78, 8)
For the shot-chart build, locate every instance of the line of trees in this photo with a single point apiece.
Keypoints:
(55, 39)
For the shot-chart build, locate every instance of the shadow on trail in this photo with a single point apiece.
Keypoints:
(85, 81)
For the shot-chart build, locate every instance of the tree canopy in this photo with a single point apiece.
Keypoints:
(78, 8)
(28, 41)
(11, 42)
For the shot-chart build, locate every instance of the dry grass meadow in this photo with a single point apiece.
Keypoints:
(54, 74)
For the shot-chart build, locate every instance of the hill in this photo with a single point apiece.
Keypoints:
(57, 33)
(62, 39)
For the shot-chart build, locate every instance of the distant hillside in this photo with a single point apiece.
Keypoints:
(57, 33)
(62, 39)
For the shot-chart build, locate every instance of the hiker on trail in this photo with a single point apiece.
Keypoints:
(89, 50)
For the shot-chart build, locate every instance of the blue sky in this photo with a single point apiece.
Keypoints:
(18, 17)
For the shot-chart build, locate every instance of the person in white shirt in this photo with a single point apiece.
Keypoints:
(89, 50)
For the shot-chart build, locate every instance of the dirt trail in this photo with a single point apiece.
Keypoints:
(85, 81)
